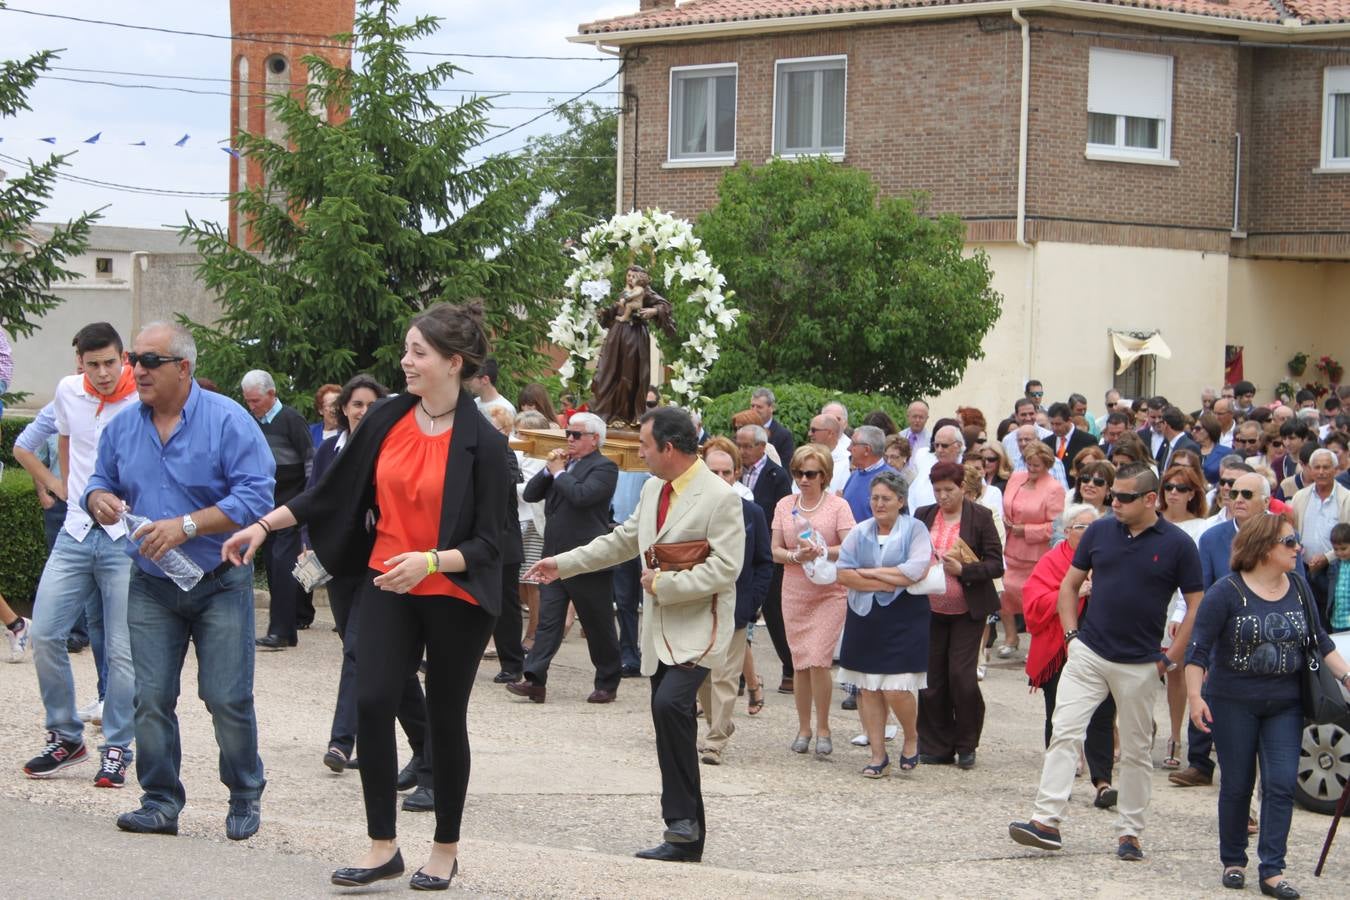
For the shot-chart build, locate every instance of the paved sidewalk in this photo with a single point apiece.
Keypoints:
(563, 793)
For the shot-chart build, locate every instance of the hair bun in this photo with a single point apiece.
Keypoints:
(474, 309)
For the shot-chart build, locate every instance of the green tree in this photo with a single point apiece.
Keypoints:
(28, 274)
(578, 163)
(366, 221)
(842, 290)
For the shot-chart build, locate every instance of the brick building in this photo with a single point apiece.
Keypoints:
(1179, 167)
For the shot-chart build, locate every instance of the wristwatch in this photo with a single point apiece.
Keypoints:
(1172, 665)
(189, 526)
(1070, 635)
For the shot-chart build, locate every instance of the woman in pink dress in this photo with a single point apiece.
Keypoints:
(1032, 501)
(813, 614)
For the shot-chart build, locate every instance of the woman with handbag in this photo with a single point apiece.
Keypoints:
(951, 707)
(813, 602)
(1258, 627)
(885, 647)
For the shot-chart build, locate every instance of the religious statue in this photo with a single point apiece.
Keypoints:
(623, 369)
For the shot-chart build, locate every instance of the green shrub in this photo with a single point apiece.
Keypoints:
(798, 404)
(23, 548)
(9, 430)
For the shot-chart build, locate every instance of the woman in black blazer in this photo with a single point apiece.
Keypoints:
(424, 529)
(951, 708)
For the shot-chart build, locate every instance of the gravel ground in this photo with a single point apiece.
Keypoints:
(563, 793)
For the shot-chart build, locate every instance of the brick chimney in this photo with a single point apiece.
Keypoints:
(649, 5)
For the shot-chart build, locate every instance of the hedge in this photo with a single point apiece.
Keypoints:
(23, 550)
(798, 404)
(10, 427)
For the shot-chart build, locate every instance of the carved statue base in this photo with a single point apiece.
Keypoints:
(620, 446)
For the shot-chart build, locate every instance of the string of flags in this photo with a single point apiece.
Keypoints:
(97, 138)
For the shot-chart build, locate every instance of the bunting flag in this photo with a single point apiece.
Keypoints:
(49, 140)
(182, 140)
(94, 139)
(230, 150)
(140, 143)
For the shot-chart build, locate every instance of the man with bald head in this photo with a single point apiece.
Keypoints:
(948, 446)
(828, 431)
(917, 433)
(1223, 411)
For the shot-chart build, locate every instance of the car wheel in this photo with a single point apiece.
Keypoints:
(1323, 767)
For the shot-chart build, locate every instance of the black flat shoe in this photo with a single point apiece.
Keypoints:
(671, 853)
(407, 776)
(421, 800)
(1234, 878)
(275, 642)
(421, 881)
(335, 759)
(1282, 889)
(351, 876)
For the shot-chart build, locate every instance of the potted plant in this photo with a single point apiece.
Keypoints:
(1332, 369)
(1298, 364)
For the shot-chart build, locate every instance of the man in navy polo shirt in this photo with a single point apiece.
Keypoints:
(1136, 560)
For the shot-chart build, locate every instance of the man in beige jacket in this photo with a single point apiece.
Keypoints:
(688, 616)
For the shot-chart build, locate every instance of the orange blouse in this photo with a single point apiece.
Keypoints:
(409, 488)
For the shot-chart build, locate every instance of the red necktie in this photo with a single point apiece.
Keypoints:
(663, 504)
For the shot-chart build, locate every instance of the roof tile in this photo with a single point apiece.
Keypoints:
(704, 12)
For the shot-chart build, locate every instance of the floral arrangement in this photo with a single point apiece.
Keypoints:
(1331, 368)
(1298, 364)
(681, 272)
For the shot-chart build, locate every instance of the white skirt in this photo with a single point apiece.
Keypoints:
(905, 681)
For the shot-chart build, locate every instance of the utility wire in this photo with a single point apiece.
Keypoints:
(572, 99)
(113, 185)
(287, 83)
(276, 43)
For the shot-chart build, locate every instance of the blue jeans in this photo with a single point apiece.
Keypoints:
(217, 615)
(1245, 731)
(77, 570)
(628, 599)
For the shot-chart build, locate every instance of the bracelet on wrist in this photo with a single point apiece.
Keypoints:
(267, 529)
(433, 562)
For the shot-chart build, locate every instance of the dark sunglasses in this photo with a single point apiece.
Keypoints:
(651, 404)
(1276, 443)
(1227, 482)
(1173, 487)
(808, 474)
(151, 360)
(991, 459)
(943, 445)
(1245, 441)
(1291, 541)
(1035, 393)
(1098, 480)
(1245, 494)
(576, 435)
(1127, 496)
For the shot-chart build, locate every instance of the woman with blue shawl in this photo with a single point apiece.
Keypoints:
(885, 646)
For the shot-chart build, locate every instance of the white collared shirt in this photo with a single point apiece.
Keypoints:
(78, 418)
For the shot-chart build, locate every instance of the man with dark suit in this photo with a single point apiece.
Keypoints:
(763, 403)
(1174, 438)
(1067, 441)
(688, 614)
(576, 486)
(769, 483)
(1151, 433)
(1113, 427)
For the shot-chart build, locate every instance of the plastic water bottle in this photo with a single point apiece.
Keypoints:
(806, 537)
(176, 564)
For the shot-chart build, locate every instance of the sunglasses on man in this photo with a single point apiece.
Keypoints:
(576, 435)
(151, 360)
(1126, 497)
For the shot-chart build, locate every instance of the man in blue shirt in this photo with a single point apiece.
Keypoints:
(197, 466)
(866, 450)
(1137, 561)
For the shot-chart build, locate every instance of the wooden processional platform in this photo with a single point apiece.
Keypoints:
(620, 446)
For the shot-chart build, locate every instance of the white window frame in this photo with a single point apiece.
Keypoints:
(1118, 152)
(807, 63)
(1335, 80)
(675, 159)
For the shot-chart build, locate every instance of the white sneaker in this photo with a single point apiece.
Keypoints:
(92, 712)
(862, 741)
(980, 672)
(1007, 651)
(19, 641)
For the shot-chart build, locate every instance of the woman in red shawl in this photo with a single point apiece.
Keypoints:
(1046, 656)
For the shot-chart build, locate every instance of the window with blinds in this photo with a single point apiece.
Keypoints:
(1129, 104)
(1336, 118)
(703, 112)
(809, 106)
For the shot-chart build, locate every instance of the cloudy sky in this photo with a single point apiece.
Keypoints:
(72, 111)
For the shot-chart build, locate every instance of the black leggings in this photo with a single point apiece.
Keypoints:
(395, 628)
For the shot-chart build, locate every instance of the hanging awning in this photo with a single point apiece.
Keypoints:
(1130, 345)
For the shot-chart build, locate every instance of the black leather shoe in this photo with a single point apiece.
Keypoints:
(147, 820)
(681, 831)
(630, 672)
(850, 703)
(1282, 889)
(1234, 878)
(534, 692)
(965, 760)
(351, 876)
(421, 800)
(929, 759)
(243, 819)
(602, 696)
(275, 642)
(407, 776)
(671, 853)
(421, 881)
(353, 763)
(505, 677)
(336, 759)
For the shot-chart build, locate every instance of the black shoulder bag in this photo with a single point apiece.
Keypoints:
(1323, 701)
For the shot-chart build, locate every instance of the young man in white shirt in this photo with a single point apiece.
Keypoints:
(87, 559)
